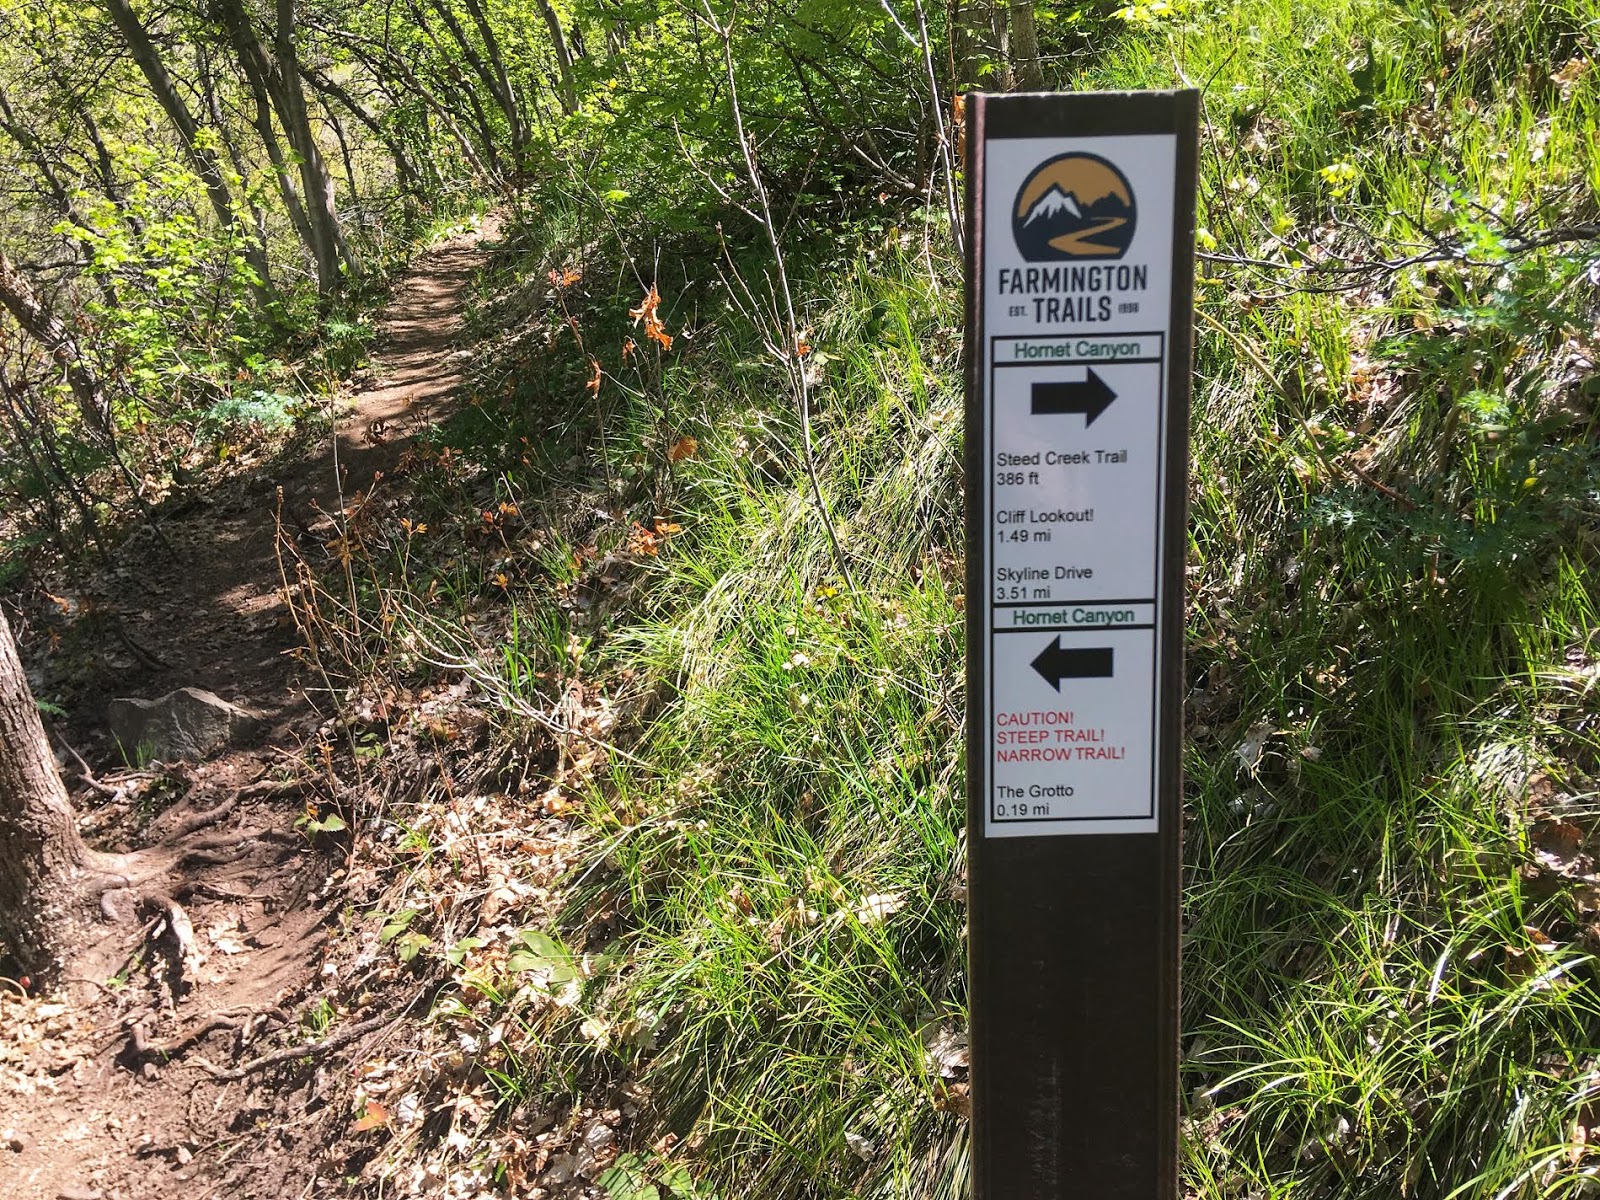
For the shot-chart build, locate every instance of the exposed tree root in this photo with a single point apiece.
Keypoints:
(216, 892)
(271, 788)
(177, 920)
(303, 1050)
(212, 858)
(225, 840)
(183, 827)
(228, 1019)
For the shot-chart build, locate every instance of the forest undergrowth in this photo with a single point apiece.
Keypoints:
(670, 835)
(1391, 906)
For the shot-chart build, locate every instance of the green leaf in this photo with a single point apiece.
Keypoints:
(457, 954)
(411, 944)
(541, 952)
(397, 924)
(625, 1180)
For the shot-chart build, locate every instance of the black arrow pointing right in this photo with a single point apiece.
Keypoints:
(1090, 396)
(1055, 664)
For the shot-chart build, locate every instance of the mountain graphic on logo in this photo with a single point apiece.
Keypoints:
(1075, 206)
(1053, 204)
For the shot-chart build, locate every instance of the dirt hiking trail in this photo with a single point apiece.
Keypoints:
(152, 1076)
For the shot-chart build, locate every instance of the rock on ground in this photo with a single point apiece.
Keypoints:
(188, 723)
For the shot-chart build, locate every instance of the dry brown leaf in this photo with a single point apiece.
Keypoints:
(1557, 845)
(953, 1098)
(643, 541)
(653, 327)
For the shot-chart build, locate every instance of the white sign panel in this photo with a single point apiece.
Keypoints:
(1077, 278)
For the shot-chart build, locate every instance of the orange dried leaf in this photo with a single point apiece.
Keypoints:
(646, 312)
(593, 385)
(684, 447)
(643, 541)
(647, 307)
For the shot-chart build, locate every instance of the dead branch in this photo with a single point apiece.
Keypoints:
(94, 983)
(1339, 275)
(85, 774)
(143, 1047)
(145, 657)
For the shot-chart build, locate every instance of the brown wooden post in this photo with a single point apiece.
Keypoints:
(1080, 217)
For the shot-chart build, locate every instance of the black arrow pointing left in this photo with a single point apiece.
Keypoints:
(1055, 664)
(1090, 396)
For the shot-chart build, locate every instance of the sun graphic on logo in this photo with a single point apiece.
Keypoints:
(1075, 206)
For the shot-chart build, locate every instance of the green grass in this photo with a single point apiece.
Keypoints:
(1389, 985)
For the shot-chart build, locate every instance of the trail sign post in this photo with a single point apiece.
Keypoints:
(1080, 218)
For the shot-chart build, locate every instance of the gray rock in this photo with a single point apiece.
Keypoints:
(187, 723)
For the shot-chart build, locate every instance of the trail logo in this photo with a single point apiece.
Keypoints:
(1074, 206)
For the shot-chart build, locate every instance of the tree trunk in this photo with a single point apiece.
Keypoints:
(331, 119)
(256, 67)
(410, 184)
(28, 142)
(219, 121)
(25, 425)
(277, 77)
(201, 159)
(108, 172)
(508, 94)
(386, 67)
(41, 856)
(18, 298)
(558, 40)
(1025, 67)
(456, 83)
(316, 181)
(495, 80)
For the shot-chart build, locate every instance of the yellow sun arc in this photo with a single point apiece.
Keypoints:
(1088, 179)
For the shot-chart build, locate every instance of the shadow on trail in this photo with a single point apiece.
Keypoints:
(200, 604)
